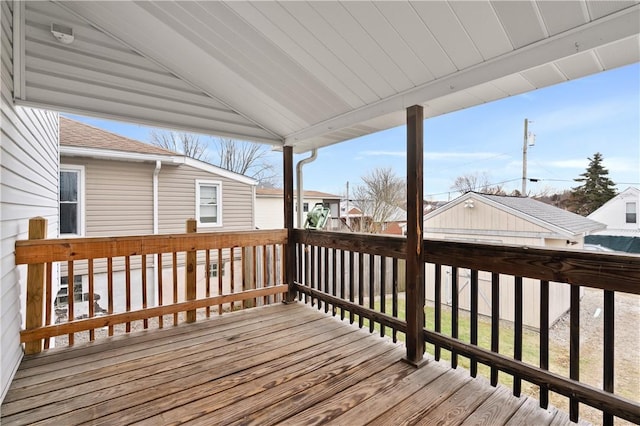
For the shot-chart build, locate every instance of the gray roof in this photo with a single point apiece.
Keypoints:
(564, 219)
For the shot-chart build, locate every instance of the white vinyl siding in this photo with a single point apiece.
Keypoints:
(28, 188)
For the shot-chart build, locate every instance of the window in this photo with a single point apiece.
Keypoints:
(213, 270)
(631, 216)
(71, 200)
(63, 294)
(305, 207)
(208, 205)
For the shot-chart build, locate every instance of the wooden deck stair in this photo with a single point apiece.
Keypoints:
(286, 364)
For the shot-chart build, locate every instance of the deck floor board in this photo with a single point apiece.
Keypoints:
(279, 364)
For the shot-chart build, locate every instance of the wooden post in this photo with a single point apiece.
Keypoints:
(190, 271)
(35, 287)
(290, 249)
(415, 255)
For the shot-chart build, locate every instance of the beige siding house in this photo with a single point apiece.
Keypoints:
(475, 217)
(28, 188)
(112, 185)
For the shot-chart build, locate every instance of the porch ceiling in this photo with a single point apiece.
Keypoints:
(307, 74)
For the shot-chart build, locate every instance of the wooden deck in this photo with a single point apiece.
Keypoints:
(287, 364)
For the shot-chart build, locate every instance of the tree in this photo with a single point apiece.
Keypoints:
(476, 182)
(184, 143)
(379, 198)
(247, 158)
(596, 188)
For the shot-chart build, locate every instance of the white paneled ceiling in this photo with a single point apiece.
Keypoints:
(307, 74)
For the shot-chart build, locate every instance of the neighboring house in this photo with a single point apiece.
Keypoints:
(270, 206)
(620, 214)
(111, 185)
(475, 217)
(359, 218)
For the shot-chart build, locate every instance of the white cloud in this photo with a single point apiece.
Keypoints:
(382, 154)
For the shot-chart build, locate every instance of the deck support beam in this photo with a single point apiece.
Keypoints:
(415, 256)
(290, 248)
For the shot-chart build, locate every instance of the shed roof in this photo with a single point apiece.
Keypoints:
(546, 215)
(81, 135)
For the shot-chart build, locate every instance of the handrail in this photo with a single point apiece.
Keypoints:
(611, 272)
(255, 277)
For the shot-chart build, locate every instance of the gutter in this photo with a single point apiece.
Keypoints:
(156, 172)
(299, 190)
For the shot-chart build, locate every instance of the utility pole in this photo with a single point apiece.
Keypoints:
(524, 155)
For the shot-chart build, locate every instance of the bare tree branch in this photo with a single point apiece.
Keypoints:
(478, 182)
(246, 158)
(379, 197)
(188, 144)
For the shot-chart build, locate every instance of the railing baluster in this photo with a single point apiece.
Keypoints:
(127, 289)
(254, 278)
(159, 289)
(437, 320)
(609, 349)
(174, 271)
(243, 280)
(517, 333)
(383, 295)
(312, 270)
(394, 295)
(70, 297)
(110, 290)
(207, 279)
(92, 333)
(334, 277)
(574, 347)
(318, 279)
(343, 273)
(360, 286)
(544, 339)
(326, 276)
(265, 273)
(351, 285)
(48, 300)
(474, 319)
(145, 322)
(220, 269)
(302, 271)
(232, 276)
(372, 289)
(495, 322)
(454, 313)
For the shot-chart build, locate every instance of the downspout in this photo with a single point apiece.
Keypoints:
(299, 186)
(156, 172)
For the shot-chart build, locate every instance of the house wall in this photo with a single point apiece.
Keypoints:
(176, 195)
(270, 213)
(613, 213)
(118, 196)
(28, 188)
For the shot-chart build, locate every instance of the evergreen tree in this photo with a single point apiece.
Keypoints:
(596, 188)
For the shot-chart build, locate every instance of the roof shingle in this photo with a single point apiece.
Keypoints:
(76, 134)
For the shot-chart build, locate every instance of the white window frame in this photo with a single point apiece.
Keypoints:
(631, 208)
(218, 184)
(81, 198)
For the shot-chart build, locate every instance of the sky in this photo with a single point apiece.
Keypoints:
(571, 122)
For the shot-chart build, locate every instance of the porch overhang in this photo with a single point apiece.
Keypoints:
(306, 74)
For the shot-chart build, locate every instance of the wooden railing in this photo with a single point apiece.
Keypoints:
(348, 274)
(187, 272)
